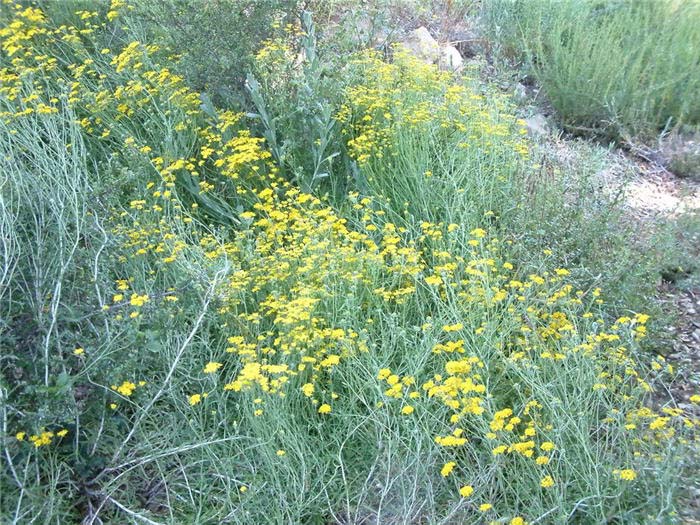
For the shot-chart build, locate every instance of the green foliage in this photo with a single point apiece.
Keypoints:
(618, 68)
(207, 326)
(296, 92)
(215, 41)
(435, 150)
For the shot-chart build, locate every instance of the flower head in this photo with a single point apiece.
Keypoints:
(466, 491)
(212, 367)
(447, 468)
(627, 474)
(195, 399)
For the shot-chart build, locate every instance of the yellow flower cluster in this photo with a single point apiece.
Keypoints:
(127, 388)
(408, 93)
(43, 438)
(288, 257)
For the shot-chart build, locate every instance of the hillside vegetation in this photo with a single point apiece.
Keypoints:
(347, 289)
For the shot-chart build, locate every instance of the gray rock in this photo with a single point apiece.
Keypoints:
(537, 125)
(520, 92)
(450, 58)
(421, 44)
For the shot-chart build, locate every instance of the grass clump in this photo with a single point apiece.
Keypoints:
(614, 68)
(195, 336)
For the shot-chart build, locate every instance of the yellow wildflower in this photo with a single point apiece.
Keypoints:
(308, 389)
(194, 399)
(627, 474)
(126, 388)
(212, 367)
(447, 468)
(466, 491)
(383, 373)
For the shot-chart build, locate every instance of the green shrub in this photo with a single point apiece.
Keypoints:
(215, 41)
(191, 338)
(614, 67)
(296, 92)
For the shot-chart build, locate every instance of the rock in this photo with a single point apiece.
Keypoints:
(420, 43)
(520, 92)
(450, 58)
(537, 125)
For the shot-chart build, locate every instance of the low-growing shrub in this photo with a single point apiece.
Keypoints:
(215, 41)
(435, 149)
(191, 338)
(295, 92)
(613, 67)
